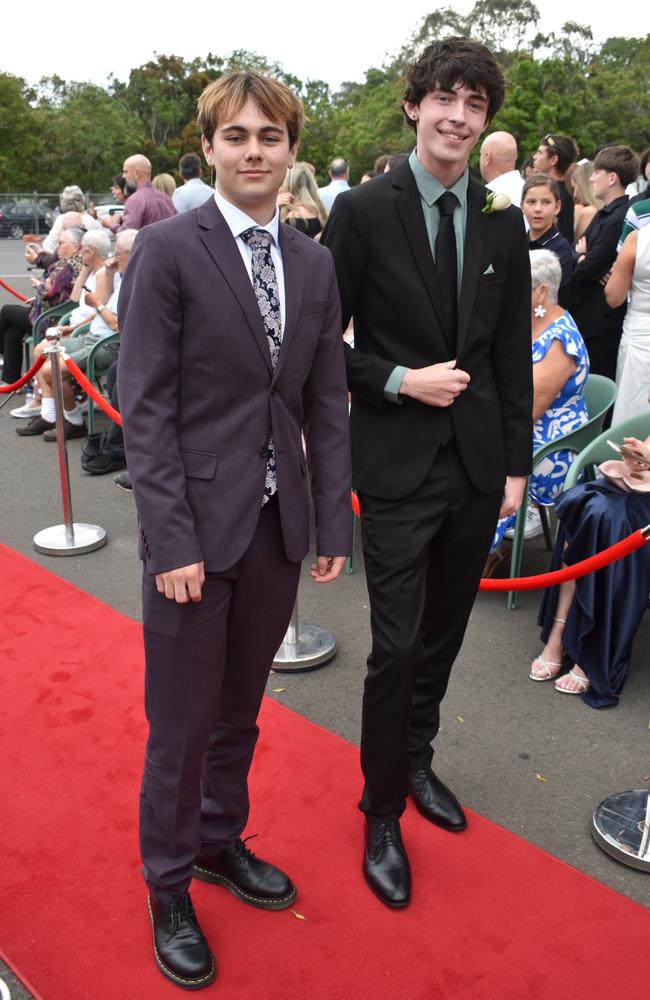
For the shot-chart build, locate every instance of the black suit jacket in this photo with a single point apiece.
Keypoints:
(199, 397)
(387, 281)
(588, 303)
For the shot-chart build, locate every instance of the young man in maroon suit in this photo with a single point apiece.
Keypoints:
(231, 350)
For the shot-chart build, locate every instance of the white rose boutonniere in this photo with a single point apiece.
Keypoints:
(495, 201)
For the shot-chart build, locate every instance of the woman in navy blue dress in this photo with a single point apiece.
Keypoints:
(594, 620)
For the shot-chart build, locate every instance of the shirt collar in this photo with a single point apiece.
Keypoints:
(549, 235)
(606, 209)
(430, 189)
(238, 222)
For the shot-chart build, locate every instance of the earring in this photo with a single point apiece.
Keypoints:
(540, 311)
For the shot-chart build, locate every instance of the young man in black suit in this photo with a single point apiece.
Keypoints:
(614, 168)
(441, 385)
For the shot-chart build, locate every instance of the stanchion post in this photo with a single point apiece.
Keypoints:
(65, 539)
(54, 352)
(304, 647)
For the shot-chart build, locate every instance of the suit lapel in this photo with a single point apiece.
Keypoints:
(221, 246)
(472, 257)
(294, 279)
(409, 207)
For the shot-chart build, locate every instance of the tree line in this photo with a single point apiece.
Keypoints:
(60, 132)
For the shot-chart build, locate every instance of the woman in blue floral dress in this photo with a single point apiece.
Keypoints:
(560, 370)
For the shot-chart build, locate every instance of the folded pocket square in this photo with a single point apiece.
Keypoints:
(489, 269)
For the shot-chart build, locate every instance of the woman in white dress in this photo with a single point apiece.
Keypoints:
(631, 273)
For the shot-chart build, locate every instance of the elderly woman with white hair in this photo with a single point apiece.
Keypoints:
(560, 370)
(71, 199)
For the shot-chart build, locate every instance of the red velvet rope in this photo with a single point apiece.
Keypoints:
(77, 373)
(12, 291)
(27, 377)
(590, 565)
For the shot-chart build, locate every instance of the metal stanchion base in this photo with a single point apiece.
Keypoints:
(621, 826)
(315, 647)
(55, 542)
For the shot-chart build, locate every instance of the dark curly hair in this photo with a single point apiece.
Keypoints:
(449, 62)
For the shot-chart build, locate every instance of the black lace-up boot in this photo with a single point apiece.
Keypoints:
(182, 954)
(249, 878)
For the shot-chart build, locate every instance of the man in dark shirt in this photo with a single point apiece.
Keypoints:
(615, 167)
(554, 156)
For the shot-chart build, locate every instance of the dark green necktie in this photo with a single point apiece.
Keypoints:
(447, 267)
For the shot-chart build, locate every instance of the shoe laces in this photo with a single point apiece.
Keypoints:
(386, 835)
(241, 851)
(179, 909)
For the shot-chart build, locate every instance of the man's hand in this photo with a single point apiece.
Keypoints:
(65, 331)
(183, 584)
(512, 495)
(436, 385)
(327, 568)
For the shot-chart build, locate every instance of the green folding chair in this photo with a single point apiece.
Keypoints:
(95, 377)
(599, 396)
(599, 451)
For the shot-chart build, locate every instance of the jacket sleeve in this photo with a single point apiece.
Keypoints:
(326, 427)
(511, 358)
(150, 318)
(344, 235)
(601, 251)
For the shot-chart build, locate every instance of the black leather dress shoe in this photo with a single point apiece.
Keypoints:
(249, 878)
(385, 864)
(182, 954)
(435, 801)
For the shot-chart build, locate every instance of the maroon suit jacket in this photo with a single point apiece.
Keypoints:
(199, 399)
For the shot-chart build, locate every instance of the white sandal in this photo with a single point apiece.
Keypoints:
(546, 665)
(583, 683)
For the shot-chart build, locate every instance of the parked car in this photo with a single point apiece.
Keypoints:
(112, 209)
(19, 218)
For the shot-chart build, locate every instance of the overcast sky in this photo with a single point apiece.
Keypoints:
(339, 45)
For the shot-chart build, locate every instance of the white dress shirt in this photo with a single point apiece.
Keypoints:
(329, 194)
(238, 222)
(511, 183)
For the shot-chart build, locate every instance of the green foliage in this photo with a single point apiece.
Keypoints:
(62, 132)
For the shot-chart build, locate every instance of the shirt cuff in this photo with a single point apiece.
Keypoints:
(393, 384)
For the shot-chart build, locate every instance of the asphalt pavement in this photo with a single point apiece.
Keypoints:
(534, 761)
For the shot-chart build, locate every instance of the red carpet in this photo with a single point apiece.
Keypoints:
(492, 917)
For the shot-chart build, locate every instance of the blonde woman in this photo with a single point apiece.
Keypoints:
(585, 201)
(164, 183)
(299, 201)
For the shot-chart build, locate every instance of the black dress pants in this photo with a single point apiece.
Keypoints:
(14, 325)
(423, 558)
(206, 669)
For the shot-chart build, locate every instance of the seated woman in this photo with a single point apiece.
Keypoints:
(540, 203)
(54, 287)
(300, 203)
(560, 370)
(594, 619)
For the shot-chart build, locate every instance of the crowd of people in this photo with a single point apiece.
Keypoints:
(590, 266)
